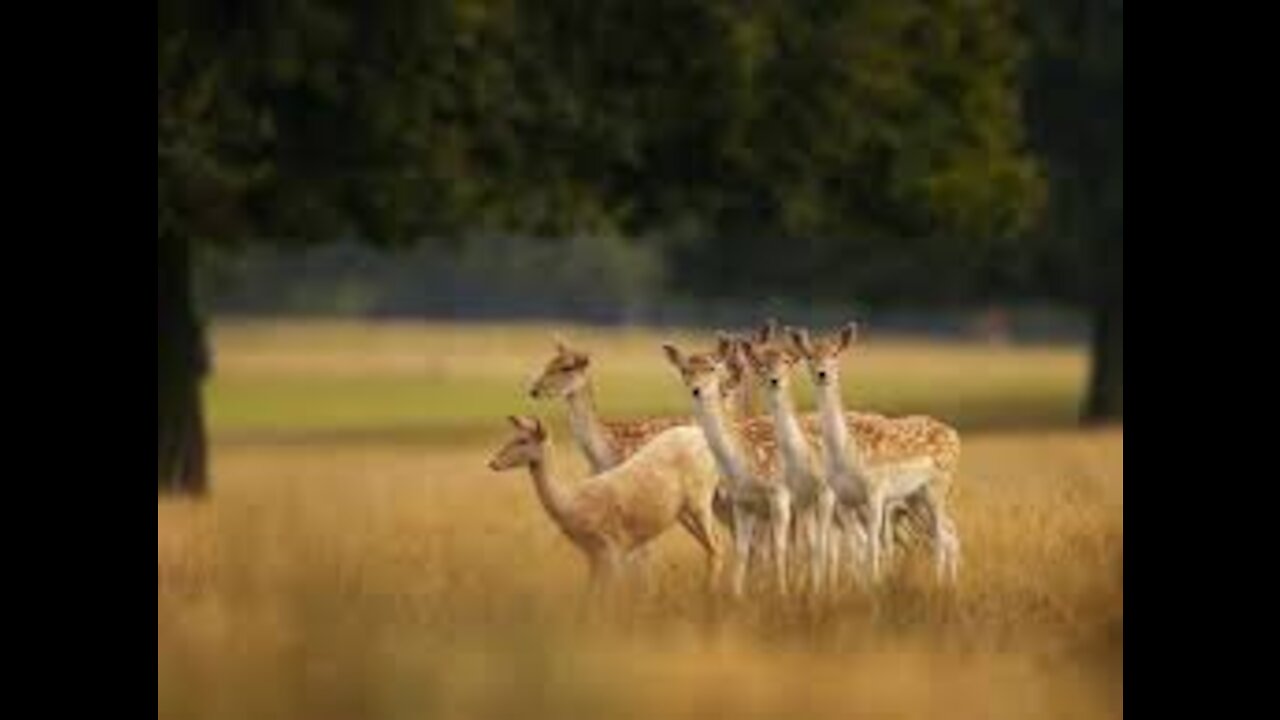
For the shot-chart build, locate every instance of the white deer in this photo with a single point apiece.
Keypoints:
(609, 515)
(607, 443)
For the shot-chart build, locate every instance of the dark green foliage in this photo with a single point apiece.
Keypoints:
(1076, 107)
(835, 149)
(873, 140)
(860, 121)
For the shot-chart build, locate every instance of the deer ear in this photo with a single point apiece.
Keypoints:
(539, 432)
(800, 341)
(847, 335)
(768, 331)
(673, 355)
(724, 344)
(734, 363)
(729, 356)
(561, 346)
(516, 422)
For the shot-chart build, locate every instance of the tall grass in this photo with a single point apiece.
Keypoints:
(363, 575)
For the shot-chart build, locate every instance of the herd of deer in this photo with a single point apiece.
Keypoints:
(829, 482)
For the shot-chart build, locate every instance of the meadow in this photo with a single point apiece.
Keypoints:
(357, 559)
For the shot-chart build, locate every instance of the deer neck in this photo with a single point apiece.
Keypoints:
(723, 439)
(796, 454)
(554, 496)
(589, 432)
(742, 402)
(842, 452)
(733, 406)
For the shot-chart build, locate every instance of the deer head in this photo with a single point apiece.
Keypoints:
(564, 373)
(526, 447)
(823, 355)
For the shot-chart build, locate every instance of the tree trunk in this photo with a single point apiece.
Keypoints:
(1105, 399)
(182, 364)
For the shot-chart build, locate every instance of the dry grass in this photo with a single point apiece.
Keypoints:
(370, 578)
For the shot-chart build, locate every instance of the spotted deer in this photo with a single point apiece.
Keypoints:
(912, 459)
(903, 524)
(800, 465)
(746, 455)
(604, 444)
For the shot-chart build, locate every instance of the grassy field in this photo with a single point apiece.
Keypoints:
(436, 382)
(356, 558)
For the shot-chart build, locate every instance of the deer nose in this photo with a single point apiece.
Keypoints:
(773, 382)
(697, 392)
(822, 375)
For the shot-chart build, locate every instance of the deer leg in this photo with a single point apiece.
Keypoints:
(780, 517)
(946, 546)
(824, 509)
(743, 530)
(701, 524)
(875, 532)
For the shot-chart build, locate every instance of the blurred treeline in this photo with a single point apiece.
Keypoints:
(856, 152)
(594, 280)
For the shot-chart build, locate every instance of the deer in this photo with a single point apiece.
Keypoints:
(911, 459)
(746, 451)
(800, 465)
(605, 443)
(746, 454)
(609, 515)
(904, 523)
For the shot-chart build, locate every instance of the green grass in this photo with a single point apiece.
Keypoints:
(425, 381)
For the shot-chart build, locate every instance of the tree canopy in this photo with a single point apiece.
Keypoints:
(835, 124)
(834, 149)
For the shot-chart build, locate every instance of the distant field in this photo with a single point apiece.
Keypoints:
(356, 558)
(426, 382)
